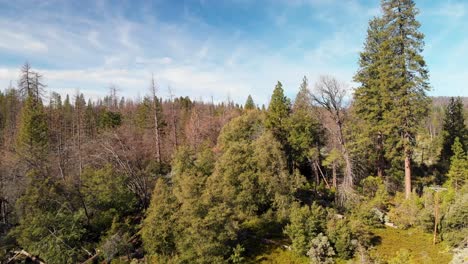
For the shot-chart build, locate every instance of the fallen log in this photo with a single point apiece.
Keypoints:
(26, 254)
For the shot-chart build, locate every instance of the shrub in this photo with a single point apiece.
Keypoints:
(406, 211)
(454, 224)
(305, 223)
(320, 251)
(341, 236)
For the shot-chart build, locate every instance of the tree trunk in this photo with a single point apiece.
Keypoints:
(407, 177)
(380, 161)
(334, 174)
(156, 121)
(348, 178)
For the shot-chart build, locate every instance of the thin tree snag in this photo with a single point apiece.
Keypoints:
(330, 94)
(156, 121)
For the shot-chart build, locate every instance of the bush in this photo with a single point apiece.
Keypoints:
(320, 251)
(406, 211)
(454, 224)
(341, 236)
(305, 223)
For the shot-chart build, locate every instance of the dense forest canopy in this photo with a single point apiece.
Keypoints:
(315, 177)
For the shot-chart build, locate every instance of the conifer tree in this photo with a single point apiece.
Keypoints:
(278, 112)
(249, 104)
(303, 101)
(32, 140)
(404, 74)
(453, 127)
(458, 172)
(305, 131)
(394, 81)
(368, 97)
(158, 227)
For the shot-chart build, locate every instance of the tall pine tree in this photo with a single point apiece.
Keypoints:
(368, 97)
(394, 80)
(406, 77)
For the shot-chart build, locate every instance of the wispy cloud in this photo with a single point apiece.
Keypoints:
(199, 48)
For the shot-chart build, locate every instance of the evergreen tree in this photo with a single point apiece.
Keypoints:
(303, 101)
(50, 226)
(305, 131)
(453, 127)
(368, 97)
(394, 81)
(277, 115)
(405, 75)
(158, 229)
(249, 104)
(306, 222)
(458, 172)
(32, 141)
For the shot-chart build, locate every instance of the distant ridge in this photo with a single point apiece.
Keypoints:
(444, 100)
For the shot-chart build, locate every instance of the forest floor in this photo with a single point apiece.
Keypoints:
(389, 243)
(416, 242)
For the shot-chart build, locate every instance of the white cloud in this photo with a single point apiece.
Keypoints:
(195, 58)
(20, 42)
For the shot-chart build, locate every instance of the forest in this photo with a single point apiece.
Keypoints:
(334, 175)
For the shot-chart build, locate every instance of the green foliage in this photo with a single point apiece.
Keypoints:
(277, 115)
(276, 255)
(249, 104)
(32, 140)
(49, 225)
(106, 196)
(406, 211)
(158, 228)
(274, 179)
(109, 119)
(368, 97)
(394, 79)
(370, 210)
(116, 242)
(186, 222)
(393, 242)
(251, 174)
(236, 257)
(342, 237)
(403, 256)
(458, 172)
(306, 222)
(320, 251)
(453, 127)
(454, 224)
(305, 133)
(144, 116)
(247, 127)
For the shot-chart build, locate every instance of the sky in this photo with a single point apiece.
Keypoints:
(225, 49)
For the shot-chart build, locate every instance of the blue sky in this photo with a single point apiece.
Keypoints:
(219, 48)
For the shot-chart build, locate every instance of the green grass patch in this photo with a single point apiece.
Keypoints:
(276, 255)
(390, 241)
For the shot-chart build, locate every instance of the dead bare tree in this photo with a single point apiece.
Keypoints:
(330, 94)
(173, 118)
(157, 138)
